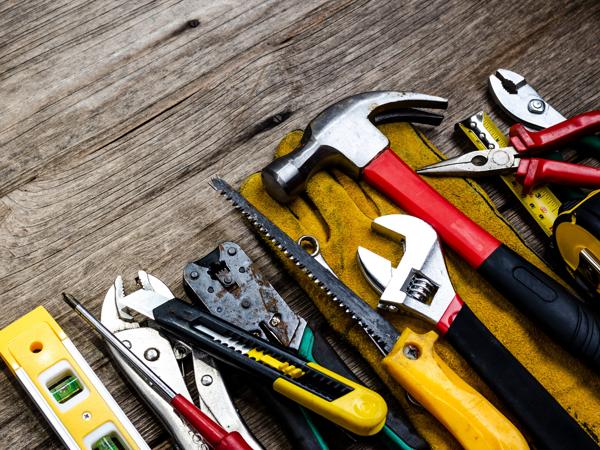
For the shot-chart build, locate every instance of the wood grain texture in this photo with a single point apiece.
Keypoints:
(115, 115)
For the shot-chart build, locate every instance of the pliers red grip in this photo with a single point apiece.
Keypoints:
(525, 141)
(529, 171)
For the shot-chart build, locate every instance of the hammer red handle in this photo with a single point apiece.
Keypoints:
(391, 176)
(538, 296)
(534, 171)
(525, 141)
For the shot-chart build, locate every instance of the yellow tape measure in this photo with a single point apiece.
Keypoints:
(64, 386)
(541, 203)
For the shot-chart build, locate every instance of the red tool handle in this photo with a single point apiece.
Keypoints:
(391, 176)
(214, 435)
(525, 141)
(575, 325)
(534, 171)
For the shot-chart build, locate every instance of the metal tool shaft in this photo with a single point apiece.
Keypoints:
(135, 363)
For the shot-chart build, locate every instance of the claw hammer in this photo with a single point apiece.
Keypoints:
(344, 135)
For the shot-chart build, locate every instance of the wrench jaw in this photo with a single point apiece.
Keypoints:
(376, 269)
(115, 315)
(420, 283)
(112, 316)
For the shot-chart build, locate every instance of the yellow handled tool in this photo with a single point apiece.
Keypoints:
(472, 419)
(345, 403)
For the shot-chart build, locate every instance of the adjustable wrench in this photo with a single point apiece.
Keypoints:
(420, 284)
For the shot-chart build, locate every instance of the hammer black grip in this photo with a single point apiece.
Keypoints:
(544, 300)
(543, 419)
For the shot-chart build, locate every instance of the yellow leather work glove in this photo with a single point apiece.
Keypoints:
(338, 212)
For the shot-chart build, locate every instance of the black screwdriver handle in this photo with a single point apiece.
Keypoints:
(540, 415)
(573, 324)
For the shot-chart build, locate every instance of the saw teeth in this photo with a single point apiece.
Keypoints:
(256, 222)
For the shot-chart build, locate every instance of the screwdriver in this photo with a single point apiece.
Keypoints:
(214, 435)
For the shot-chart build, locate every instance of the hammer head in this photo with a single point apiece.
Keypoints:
(344, 135)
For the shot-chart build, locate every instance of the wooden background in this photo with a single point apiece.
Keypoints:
(114, 116)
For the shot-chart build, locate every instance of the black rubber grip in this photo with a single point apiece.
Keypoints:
(397, 423)
(540, 415)
(293, 420)
(562, 315)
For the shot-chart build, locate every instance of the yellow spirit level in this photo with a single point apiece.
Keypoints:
(64, 387)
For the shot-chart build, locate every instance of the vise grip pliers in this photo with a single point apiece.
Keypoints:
(163, 357)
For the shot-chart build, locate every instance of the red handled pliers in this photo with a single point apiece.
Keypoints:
(529, 171)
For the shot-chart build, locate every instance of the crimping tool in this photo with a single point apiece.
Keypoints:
(227, 283)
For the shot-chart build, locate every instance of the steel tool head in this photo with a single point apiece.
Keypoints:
(228, 284)
(114, 313)
(343, 135)
(478, 162)
(420, 283)
(521, 101)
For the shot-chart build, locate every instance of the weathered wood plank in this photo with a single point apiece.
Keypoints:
(116, 115)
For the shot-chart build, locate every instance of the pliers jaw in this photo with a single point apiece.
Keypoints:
(164, 358)
(479, 162)
(521, 101)
(115, 310)
(113, 316)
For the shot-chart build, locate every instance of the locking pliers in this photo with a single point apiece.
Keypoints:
(163, 357)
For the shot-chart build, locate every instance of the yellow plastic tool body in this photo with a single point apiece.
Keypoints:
(541, 203)
(39, 353)
(472, 419)
(573, 238)
(361, 411)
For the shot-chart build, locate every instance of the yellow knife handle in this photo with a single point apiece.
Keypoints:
(361, 411)
(469, 416)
